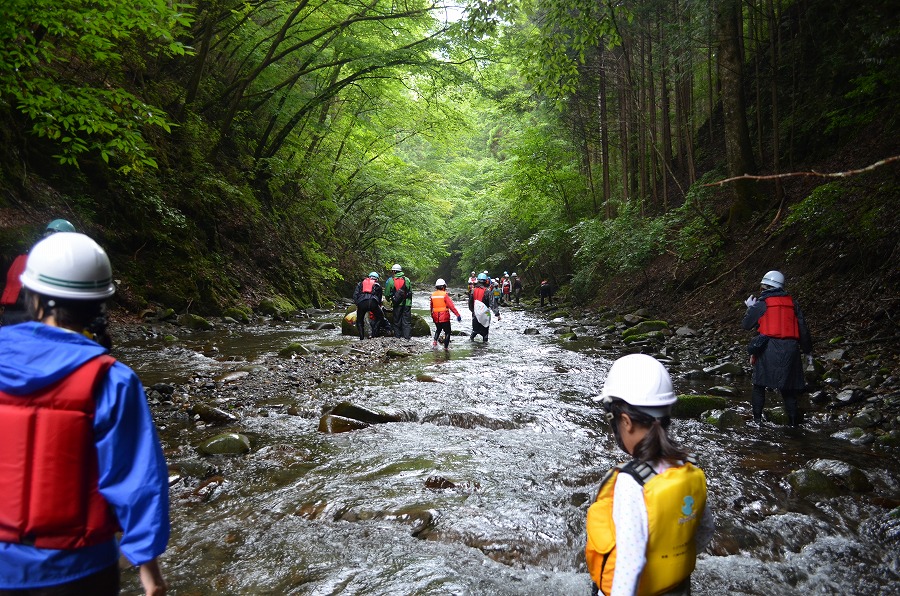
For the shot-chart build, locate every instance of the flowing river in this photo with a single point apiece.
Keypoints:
(483, 488)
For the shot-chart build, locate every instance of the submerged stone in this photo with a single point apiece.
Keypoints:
(331, 424)
(346, 409)
(226, 444)
(807, 482)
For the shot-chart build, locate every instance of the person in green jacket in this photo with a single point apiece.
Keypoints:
(399, 292)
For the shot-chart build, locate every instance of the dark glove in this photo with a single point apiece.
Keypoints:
(459, 318)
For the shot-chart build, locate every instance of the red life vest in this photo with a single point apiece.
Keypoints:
(368, 284)
(478, 293)
(48, 462)
(779, 320)
(13, 283)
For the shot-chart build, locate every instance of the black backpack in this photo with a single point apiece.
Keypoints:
(401, 293)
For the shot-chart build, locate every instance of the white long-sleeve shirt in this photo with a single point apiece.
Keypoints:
(630, 518)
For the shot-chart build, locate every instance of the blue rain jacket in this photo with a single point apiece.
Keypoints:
(133, 474)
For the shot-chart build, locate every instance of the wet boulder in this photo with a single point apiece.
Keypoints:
(346, 409)
(420, 327)
(532, 331)
(211, 414)
(809, 483)
(277, 306)
(331, 424)
(693, 406)
(225, 444)
(730, 418)
(726, 368)
(723, 391)
(238, 314)
(843, 473)
(294, 349)
(685, 331)
(195, 322)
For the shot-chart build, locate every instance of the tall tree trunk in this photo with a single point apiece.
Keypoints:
(604, 144)
(665, 124)
(775, 58)
(641, 154)
(738, 149)
(654, 137)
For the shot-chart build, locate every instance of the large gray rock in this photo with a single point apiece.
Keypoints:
(812, 483)
(843, 473)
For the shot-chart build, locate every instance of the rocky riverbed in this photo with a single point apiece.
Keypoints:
(854, 387)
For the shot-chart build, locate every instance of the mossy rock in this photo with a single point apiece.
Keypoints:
(237, 313)
(195, 322)
(731, 418)
(777, 415)
(645, 327)
(812, 483)
(226, 444)
(420, 327)
(277, 306)
(693, 406)
(640, 337)
(294, 349)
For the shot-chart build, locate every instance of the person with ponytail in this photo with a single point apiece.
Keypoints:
(651, 516)
(80, 458)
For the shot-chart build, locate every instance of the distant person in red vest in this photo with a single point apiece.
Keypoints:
(12, 298)
(399, 292)
(483, 307)
(441, 307)
(84, 477)
(367, 297)
(775, 352)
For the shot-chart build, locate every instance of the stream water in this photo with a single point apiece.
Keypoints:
(483, 488)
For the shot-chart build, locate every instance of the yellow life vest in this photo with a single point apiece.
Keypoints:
(675, 502)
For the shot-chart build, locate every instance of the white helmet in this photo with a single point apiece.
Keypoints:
(513, 274)
(774, 279)
(643, 382)
(70, 266)
(396, 267)
(440, 282)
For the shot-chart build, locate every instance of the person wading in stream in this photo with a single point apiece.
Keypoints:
(775, 352)
(80, 458)
(651, 515)
(367, 297)
(481, 304)
(399, 292)
(441, 306)
(12, 299)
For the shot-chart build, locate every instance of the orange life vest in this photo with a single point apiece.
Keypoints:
(368, 284)
(440, 312)
(48, 462)
(478, 293)
(13, 283)
(779, 320)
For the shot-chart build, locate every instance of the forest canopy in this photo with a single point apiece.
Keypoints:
(226, 150)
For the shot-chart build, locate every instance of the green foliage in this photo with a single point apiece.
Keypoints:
(59, 67)
(694, 233)
(818, 213)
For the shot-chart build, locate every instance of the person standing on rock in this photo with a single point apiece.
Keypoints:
(12, 299)
(367, 298)
(441, 307)
(80, 458)
(516, 287)
(482, 305)
(775, 352)
(651, 516)
(399, 292)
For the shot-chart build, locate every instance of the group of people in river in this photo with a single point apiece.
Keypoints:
(70, 507)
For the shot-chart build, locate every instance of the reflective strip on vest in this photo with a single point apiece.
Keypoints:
(439, 302)
(675, 501)
(50, 497)
(779, 320)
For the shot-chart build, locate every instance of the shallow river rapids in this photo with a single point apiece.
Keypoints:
(483, 489)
